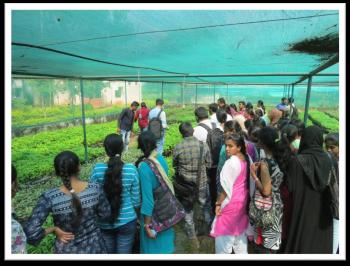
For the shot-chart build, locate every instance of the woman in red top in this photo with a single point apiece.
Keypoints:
(142, 116)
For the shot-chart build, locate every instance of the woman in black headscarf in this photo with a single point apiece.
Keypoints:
(310, 227)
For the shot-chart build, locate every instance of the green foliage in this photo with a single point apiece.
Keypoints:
(88, 107)
(92, 88)
(42, 89)
(321, 118)
(28, 116)
(18, 103)
(179, 114)
(334, 113)
(326, 121)
(33, 155)
(169, 161)
(172, 137)
(301, 117)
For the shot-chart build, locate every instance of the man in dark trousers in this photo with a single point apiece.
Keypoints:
(125, 123)
(215, 140)
(190, 167)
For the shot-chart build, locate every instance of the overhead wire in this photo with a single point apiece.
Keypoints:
(191, 28)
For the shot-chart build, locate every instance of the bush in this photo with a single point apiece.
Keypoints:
(18, 103)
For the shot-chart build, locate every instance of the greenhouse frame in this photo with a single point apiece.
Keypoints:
(280, 48)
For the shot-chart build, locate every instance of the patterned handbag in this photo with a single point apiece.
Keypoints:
(262, 210)
(167, 211)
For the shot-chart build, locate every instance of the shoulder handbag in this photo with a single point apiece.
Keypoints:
(187, 191)
(261, 209)
(167, 210)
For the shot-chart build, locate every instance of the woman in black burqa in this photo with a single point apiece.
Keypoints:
(310, 227)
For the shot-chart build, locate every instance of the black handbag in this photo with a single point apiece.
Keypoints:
(184, 192)
(187, 191)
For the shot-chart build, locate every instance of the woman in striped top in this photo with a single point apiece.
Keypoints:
(121, 186)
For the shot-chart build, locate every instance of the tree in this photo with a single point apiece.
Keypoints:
(42, 91)
(92, 88)
(73, 87)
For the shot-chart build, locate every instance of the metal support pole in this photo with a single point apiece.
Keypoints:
(83, 118)
(288, 90)
(285, 90)
(196, 100)
(162, 90)
(214, 93)
(182, 95)
(140, 98)
(306, 112)
(126, 96)
(292, 91)
(226, 92)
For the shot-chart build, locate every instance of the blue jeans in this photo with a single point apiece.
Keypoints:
(126, 138)
(120, 240)
(160, 143)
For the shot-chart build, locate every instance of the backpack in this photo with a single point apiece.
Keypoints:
(208, 129)
(215, 140)
(333, 190)
(155, 126)
(167, 210)
(294, 112)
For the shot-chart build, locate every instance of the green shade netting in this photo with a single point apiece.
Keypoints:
(255, 44)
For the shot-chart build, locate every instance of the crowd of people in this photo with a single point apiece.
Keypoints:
(257, 178)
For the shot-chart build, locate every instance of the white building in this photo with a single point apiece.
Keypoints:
(63, 98)
(115, 92)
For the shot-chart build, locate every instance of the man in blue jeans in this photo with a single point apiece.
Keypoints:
(154, 113)
(125, 123)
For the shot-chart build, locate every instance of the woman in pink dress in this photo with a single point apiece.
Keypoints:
(231, 221)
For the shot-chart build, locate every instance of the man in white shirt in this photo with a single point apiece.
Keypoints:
(212, 111)
(204, 124)
(229, 117)
(213, 107)
(154, 113)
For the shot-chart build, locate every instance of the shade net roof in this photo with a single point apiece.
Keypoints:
(175, 45)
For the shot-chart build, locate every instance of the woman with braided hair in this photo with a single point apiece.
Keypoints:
(122, 188)
(75, 207)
